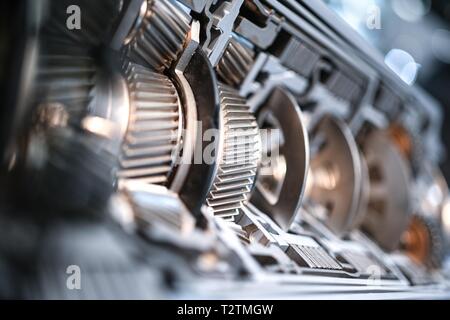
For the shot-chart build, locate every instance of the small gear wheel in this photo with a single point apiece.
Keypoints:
(236, 63)
(160, 37)
(409, 142)
(423, 241)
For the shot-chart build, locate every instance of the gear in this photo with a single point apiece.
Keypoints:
(69, 154)
(239, 158)
(154, 128)
(409, 142)
(65, 83)
(159, 38)
(96, 19)
(423, 241)
(236, 63)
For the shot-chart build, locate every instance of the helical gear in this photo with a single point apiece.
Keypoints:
(66, 84)
(240, 155)
(70, 163)
(161, 36)
(88, 27)
(236, 63)
(154, 128)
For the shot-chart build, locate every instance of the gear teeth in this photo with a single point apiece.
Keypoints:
(240, 156)
(235, 63)
(66, 83)
(76, 172)
(154, 127)
(161, 36)
(412, 150)
(433, 237)
(96, 18)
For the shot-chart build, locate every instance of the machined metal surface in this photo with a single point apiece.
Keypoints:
(336, 175)
(235, 63)
(215, 149)
(279, 193)
(159, 34)
(154, 129)
(240, 154)
(389, 205)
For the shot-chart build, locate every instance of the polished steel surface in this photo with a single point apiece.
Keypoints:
(216, 149)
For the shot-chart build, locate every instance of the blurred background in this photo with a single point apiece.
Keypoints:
(414, 37)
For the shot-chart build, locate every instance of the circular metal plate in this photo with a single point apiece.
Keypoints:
(337, 174)
(389, 205)
(363, 199)
(280, 184)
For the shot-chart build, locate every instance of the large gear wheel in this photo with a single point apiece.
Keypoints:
(159, 37)
(154, 129)
(66, 85)
(70, 147)
(239, 156)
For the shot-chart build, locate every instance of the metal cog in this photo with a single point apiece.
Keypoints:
(96, 22)
(239, 157)
(236, 63)
(154, 127)
(423, 241)
(69, 154)
(160, 37)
